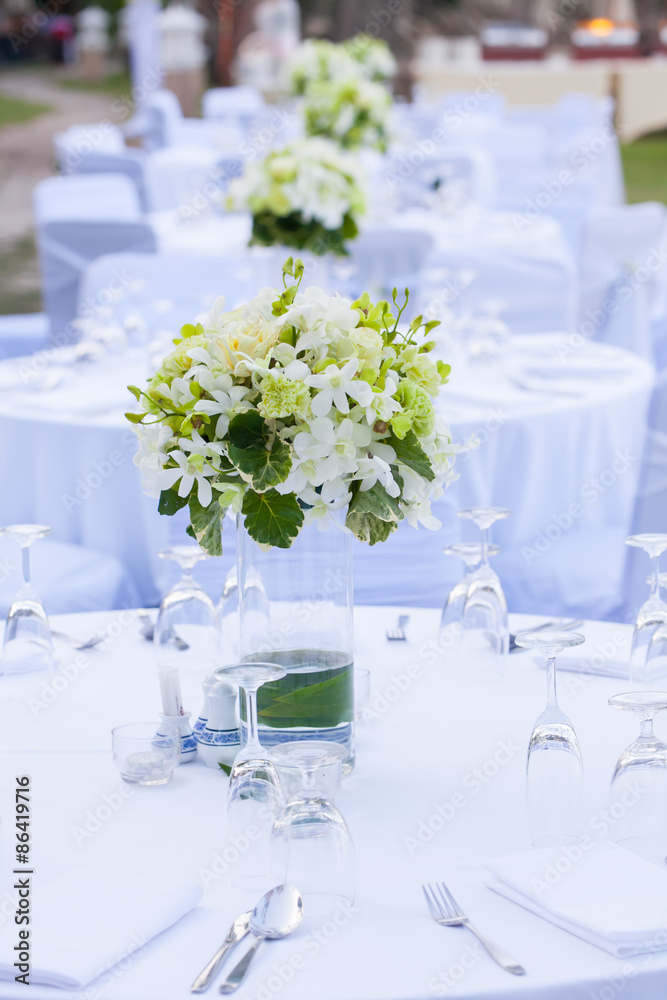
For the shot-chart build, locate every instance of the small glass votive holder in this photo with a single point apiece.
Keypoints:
(362, 691)
(146, 753)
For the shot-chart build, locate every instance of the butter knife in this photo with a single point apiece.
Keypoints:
(237, 932)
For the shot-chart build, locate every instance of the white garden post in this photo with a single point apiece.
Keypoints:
(92, 42)
(183, 54)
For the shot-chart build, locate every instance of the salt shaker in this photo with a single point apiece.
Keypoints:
(219, 741)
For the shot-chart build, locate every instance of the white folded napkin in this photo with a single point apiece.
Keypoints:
(603, 893)
(86, 922)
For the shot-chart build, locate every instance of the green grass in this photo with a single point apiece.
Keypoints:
(645, 168)
(116, 85)
(19, 277)
(13, 111)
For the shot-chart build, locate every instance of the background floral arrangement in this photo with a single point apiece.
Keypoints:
(308, 195)
(320, 61)
(353, 112)
(292, 406)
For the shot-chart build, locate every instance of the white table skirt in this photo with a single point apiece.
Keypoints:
(541, 451)
(438, 788)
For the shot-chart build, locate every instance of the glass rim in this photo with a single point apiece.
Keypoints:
(174, 731)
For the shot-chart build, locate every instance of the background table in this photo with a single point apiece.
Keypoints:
(438, 787)
(68, 454)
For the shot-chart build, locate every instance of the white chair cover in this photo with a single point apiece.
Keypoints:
(651, 504)
(68, 578)
(624, 276)
(86, 197)
(166, 125)
(188, 177)
(23, 334)
(66, 249)
(539, 292)
(79, 141)
(233, 102)
(460, 174)
(184, 286)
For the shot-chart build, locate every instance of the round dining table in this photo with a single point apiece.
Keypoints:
(437, 790)
(557, 428)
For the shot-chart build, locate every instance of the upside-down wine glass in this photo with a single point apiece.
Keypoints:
(254, 796)
(485, 609)
(554, 769)
(471, 554)
(648, 658)
(187, 635)
(27, 643)
(639, 784)
(310, 843)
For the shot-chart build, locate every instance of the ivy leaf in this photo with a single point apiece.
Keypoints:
(272, 519)
(377, 502)
(369, 528)
(250, 451)
(170, 502)
(206, 524)
(410, 452)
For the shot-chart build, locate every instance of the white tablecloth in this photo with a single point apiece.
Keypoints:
(437, 789)
(68, 454)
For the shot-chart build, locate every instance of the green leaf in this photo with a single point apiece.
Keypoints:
(376, 501)
(369, 528)
(136, 391)
(256, 452)
(206, 523)
(225, 767)
(272, 519)
(135, 418)
(296, 701)
(410, 452)
(170, 502)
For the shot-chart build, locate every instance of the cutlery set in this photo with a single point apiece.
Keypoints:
(279, 912)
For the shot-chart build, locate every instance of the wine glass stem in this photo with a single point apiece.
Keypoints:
(25, 558)
(485, 546)
(646, 729)
(655, 583)
(252, 741)
(552, 699)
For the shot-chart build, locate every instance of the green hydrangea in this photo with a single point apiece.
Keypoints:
(282, 397)
(418, 413)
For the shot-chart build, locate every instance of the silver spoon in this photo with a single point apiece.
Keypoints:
(277, 914)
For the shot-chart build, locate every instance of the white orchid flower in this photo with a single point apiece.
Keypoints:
(342, 441)
(190, 469)
(335, 385)
(374, 470)
(224, 405)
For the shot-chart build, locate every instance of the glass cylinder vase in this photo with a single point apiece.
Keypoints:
(295, 609)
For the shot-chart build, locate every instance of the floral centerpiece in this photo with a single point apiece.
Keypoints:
(293, 406)
(308, 195)
(353, 112)
(320, 61)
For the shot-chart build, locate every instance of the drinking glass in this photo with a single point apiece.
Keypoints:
(254, 796)
(648, 657)
(310, 844)
(471, 554)
(186, 635)
(554, 770)
(639, 783)
(146, 753)
(485, 608)
(27, 643)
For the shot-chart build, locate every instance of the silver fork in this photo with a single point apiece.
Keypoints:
(398, 634)
(446, 911)
(75, 643)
